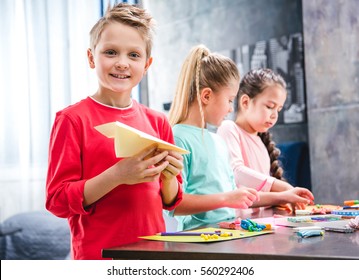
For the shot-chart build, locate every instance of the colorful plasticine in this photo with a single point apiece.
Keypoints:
(310, 233)
(250, 225)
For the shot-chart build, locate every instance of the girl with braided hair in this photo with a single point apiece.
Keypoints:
(254, 157)
(207, 86)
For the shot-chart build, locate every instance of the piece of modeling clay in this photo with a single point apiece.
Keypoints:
(310, 233)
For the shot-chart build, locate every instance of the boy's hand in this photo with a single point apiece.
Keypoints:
(174, 167)
(169, 189)
(146, 166)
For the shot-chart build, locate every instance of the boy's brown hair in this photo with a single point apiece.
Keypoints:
(127, 14)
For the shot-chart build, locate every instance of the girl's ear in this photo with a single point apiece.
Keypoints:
(206, 95)
(90, 58)
(243, 101)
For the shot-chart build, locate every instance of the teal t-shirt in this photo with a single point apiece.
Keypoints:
(206, 170)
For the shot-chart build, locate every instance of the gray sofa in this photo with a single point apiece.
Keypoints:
(36, 235)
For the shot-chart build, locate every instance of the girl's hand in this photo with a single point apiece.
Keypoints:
(146, 166)
(287, 207)
(299, 198)
(242, 198)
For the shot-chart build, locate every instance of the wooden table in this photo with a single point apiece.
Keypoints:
(283, 244)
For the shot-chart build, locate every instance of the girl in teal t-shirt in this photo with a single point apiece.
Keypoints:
(206, 88)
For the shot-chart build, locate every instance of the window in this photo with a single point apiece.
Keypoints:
(43, 68)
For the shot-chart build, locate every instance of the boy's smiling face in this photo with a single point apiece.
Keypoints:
(120, 59)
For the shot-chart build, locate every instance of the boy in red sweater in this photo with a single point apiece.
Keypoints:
(111, 201)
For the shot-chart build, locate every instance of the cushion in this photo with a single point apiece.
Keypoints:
(37, 235)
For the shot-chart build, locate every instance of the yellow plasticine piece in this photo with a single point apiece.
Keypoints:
(205, 236)
(225, 234)
(214, 236)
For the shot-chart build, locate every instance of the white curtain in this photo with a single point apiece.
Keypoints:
(43, 68)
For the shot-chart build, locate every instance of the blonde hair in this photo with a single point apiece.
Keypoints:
(127, 14)
(201, 69)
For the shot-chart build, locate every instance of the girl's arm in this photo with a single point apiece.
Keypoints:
(281, 192)
(243, 175)
(298, 197)
(292, 197)
(241, 198)
(279, 186)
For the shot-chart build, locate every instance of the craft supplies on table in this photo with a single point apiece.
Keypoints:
(350, 208)
(190, 233)
(353, 207)
(246, 224)
(303, 212)
(296, 229)
(351, 202)
(311, 220)
(346, 212)
(250, 225)
(345, 229)
(320, 209)
(230, 225)
(310, 233)
(196, 235)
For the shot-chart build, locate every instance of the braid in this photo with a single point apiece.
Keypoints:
(275, 169)
(198, 69)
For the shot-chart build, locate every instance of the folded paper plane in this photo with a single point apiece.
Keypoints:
(130, 141)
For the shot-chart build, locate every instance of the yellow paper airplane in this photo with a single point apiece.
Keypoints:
(130, 141)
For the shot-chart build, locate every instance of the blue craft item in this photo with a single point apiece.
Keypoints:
(310, 233)
(346, 212)
(250, 225)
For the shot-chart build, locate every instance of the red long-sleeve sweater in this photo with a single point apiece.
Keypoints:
(79, 152)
